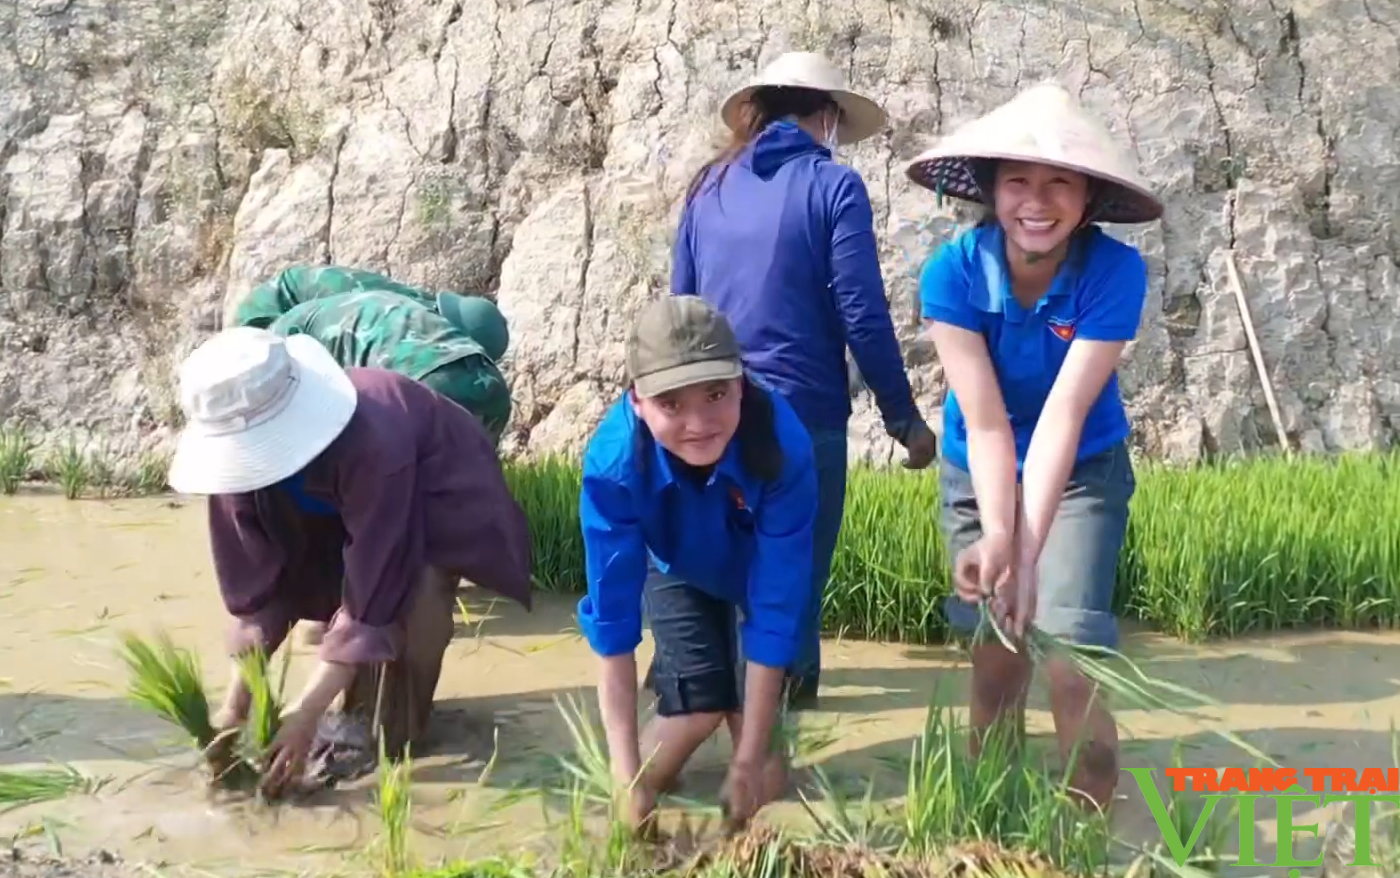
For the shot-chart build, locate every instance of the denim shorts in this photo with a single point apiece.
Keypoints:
(1079, 563)
(696, 668)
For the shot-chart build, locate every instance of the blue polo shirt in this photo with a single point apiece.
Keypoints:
(1098, 295)
(733, 537)
(784, 246)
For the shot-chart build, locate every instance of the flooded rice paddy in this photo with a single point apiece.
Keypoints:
(74, 574)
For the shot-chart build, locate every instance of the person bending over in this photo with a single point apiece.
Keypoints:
(416, 499)
(699, 496)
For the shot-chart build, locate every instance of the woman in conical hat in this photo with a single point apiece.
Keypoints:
(1030, 312)
(779, 236)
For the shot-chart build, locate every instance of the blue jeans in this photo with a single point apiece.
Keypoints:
(829, 448)
(1079, 563)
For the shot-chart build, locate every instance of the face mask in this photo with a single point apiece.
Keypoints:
(829, 141)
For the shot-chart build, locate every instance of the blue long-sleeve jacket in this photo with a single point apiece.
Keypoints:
(735, 537)
(784, 246)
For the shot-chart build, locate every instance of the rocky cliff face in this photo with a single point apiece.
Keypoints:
(160, 157)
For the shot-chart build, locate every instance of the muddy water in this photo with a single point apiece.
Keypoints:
(74, 574)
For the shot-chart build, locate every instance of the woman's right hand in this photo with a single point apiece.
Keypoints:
(638, 809)
(985, 568)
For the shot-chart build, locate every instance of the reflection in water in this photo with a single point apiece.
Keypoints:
(72, 574)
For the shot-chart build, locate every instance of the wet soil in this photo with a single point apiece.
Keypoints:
(74, 574)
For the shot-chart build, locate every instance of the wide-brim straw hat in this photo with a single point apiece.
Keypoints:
(1043, 124)
(860, 116)
(259, 409)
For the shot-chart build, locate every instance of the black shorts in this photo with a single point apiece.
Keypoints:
(696, 668)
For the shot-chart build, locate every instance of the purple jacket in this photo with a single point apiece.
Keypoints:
(415, 481)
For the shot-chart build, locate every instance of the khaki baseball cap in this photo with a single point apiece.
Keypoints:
(679, 341)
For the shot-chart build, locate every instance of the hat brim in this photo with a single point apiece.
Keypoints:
(657, 383)
(953, 174)
(321, 405)
(861, 117)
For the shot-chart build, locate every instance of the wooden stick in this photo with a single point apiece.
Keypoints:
(1255, 351)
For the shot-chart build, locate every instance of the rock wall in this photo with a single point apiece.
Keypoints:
(157, 158)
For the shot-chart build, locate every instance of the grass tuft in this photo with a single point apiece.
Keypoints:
(16, 459)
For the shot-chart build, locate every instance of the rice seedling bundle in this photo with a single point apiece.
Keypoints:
(166, 680)
(25, 787)
(1213, 549)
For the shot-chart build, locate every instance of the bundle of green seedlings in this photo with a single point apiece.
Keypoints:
(25, 787)
(165, 679)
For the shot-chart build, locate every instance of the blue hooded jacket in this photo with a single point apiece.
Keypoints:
(784, 246)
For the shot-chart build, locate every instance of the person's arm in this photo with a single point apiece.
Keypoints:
(683, 280)
(248, 565)
(384, 562)
(610, 615)
(956, 327)
(779, 588)
(860, 296)
(1113, 300)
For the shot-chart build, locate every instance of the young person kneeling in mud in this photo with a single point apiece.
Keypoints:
(278, 431)
(699, 496)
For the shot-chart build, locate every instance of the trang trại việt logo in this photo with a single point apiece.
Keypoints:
(1244, 787)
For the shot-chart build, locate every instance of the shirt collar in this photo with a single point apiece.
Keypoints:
(728, 465)
(991, 251)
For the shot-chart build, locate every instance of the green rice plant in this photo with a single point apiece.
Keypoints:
(1219, 548)
(1263, 544)
(394, 803)
(18, 788)
(16, 459)
(102, 471)
(165, 680)
(265, 704)
(150, 474)
(70, 467)
(547, 490)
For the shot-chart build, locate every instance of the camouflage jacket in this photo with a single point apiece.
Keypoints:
(383, 330)
(300, 284)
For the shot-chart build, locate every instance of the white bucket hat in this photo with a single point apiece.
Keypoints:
(860, 116)
(1043, 124)
(259, 408)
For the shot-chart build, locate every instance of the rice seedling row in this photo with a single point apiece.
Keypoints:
(1215, 549)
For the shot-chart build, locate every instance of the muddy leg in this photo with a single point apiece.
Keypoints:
(401, 692)
(1086, 732)
(1000, 682)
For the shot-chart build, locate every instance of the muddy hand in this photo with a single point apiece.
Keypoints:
(287, 755)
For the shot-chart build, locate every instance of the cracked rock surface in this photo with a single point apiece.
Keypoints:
(158, 158)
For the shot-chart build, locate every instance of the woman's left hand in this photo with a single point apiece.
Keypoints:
(287, 755)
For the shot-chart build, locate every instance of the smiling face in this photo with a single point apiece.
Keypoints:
(1039, 206)
(694, 423)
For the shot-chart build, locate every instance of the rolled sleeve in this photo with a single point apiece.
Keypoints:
(248, 564)
(780, 580)
(615, 564)
(1112, 296)
(945, 290)
(384, 560)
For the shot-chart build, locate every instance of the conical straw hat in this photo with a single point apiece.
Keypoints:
(860, 116)
(1042, 124)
